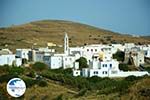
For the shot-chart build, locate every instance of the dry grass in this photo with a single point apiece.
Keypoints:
(50, 92)
(134, 90)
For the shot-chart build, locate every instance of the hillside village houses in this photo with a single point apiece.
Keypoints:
(7, 57)
(99, 58)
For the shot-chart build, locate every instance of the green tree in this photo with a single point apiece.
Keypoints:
(82, 62)
(119, 55)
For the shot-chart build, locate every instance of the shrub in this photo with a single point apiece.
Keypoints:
(147, 69)
(4, 69)
(29, 82)
(94, 79)
(145, 92)
(121, 86)
(132, 78)
(42, 83)
(31, 74)
(7, 77)
(16, 70)
(3, 94)
(123, 67)
(39, 66)
(59, 97)
(104, 85)
(81, 92)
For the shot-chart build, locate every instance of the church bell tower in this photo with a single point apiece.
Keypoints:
(66, 44)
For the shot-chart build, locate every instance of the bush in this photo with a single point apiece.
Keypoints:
(145, 92)
(7, 77)
(42, 83)
(123, 67)
(16, 70)
(94, 79)
(132, 78)
(3, 94)
(104, 85)
(4, 69)
(122, 86)
(59, 97)
(29, 82)
(39, 66)
(147, 69)
(31, 74)
(81, 92)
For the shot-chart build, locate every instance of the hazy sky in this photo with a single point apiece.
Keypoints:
(125, 16)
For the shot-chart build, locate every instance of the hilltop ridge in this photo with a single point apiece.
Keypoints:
(41, 32)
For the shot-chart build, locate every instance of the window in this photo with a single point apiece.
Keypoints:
(70, 59)
(87, 49)
(66, 59)
(146, 53)
(92, 50)
(76, 72)
(95, 72)
(95, 50)
(110, 65)
(103, 72)
(105, 65)
(46, 58)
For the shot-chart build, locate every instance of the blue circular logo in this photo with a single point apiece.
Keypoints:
(16, 87)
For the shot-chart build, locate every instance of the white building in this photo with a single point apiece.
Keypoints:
(96, 49)
(39, 53)
(7, 58)
(68, 61)
(136, 55)
(23, 53)
(64, 60)
(55, 62)
(99, 58)
(106, 67)
(146, 50)
(129, 45)
(117, 47)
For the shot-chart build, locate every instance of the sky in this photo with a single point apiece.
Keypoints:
(123, 16)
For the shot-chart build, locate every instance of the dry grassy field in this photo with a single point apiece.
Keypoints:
(41, 32)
